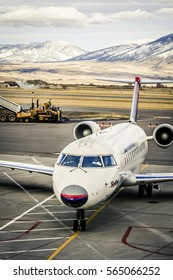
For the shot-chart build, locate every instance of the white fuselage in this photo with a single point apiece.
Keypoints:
(119, 148)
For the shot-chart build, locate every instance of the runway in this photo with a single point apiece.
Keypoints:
(33, 225)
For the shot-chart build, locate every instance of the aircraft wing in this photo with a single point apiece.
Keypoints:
(129, 179)
(153, 178)
(27, 167)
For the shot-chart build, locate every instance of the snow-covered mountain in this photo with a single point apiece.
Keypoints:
(39, 52)
(161, 49)
(107, 54)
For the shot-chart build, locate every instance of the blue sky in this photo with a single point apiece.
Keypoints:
(90, 25)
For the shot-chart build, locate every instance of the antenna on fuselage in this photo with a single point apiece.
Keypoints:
(134, 108)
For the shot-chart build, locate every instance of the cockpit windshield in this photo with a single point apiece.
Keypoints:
(86, 161)
(92, 161)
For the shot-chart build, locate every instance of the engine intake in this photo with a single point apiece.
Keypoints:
(85, 128)
(163, 135)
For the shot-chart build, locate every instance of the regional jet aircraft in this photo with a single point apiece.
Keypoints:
(91, 169)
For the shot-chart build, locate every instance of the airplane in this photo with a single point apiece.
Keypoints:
(94, 166)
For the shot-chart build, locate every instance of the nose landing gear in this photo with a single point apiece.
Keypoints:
(80, 222)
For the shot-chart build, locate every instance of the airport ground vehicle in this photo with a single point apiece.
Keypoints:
(10, 111)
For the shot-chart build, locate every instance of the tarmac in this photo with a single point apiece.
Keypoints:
(34, 226)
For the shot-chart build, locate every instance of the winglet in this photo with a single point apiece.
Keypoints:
(134, 108)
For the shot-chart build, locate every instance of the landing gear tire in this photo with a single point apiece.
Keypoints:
(75, 225)
(83, 225)
(149, 191)
(141, 190)
(80, 222)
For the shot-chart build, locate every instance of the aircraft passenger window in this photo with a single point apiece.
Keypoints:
(92, 161)
(71, 160)
(108, 161)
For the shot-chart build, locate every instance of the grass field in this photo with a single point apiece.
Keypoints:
(92, 96)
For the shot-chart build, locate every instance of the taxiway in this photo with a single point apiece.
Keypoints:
(33, 225)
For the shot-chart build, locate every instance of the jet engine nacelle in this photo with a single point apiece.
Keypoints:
(163, 135)
(85, 128)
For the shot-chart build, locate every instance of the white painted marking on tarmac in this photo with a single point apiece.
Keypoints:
(19, 185)
(33, 239)
(36, 161)
(45, 209)
(26, 212)
(60, 212)
(162, 117)
(35, 230)
(26, 251)
(153, 230)
(49, 206)
(42, 221)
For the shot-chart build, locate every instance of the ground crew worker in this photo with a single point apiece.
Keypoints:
(59, 114)
(47, 106)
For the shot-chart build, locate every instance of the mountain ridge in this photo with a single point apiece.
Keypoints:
(36, 52)
(161, 48)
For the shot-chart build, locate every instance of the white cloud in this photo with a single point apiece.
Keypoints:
(99, 18)
(132, 15)
(166, 11)
(64, 16)
(53, 16)
(165, 1)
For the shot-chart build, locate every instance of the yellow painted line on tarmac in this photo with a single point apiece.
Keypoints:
(64, 245)
(75, 235)
(103, 206)
(145, 166)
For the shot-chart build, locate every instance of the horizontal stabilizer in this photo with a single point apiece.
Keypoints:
(133, 82)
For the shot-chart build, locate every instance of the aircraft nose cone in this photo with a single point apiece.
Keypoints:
(74, 196)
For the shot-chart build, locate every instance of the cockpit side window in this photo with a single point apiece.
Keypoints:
(60, 158)
(69, 160)
(109, 161)
(92, 161)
